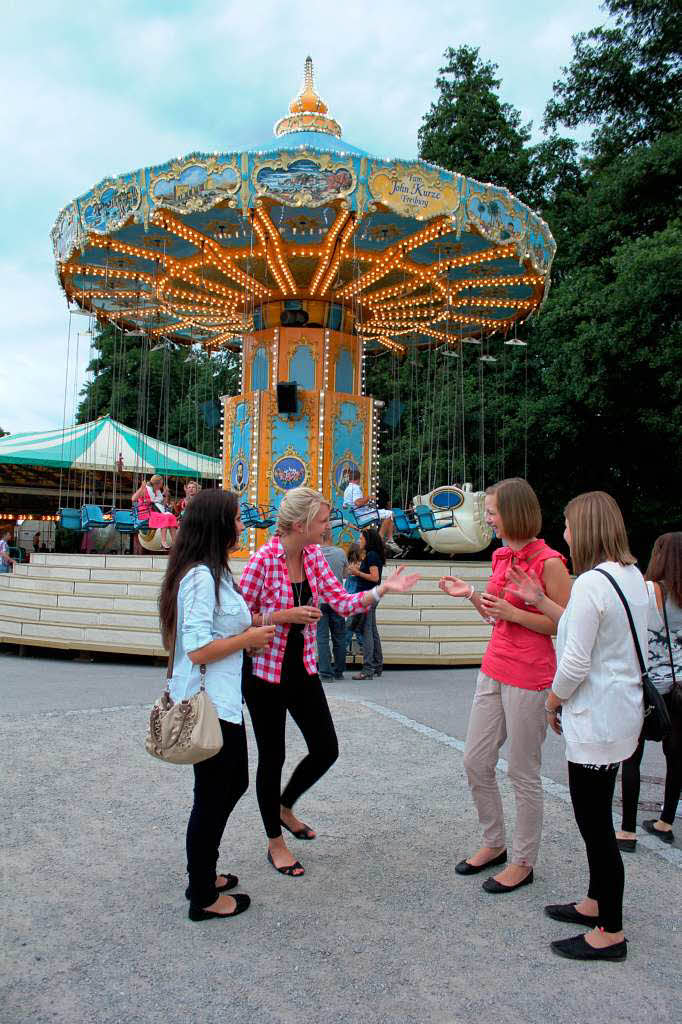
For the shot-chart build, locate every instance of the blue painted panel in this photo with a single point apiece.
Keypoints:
(348, 448)
(290, 437)
(302, 367)
(343, 373)
(447, 499)
(240, 448)
(260, 370)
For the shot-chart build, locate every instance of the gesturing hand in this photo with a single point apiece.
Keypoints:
(453, 586)
(525, 585)
(400, 581)
(497, 607)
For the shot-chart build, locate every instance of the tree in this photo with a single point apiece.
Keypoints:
(623, 80)
(171, 393)
(468, 129)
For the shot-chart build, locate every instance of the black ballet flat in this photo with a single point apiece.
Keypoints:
(567, 912)
(491, 885)
(291, 870)
(301, 833)
(578, 948)
(650, 826)
(465, 868)
(230, 882)
(241, 899)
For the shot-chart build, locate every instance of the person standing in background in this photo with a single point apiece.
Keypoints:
(330, 622)
(6, 560)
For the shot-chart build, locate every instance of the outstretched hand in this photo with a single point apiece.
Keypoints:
(524, 585)
(399, 581)
(453, 586)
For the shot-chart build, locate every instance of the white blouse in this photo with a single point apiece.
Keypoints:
(598, 675)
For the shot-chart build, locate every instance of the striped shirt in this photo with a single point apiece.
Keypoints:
(265, 587)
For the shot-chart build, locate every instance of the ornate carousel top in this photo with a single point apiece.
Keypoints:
(208, 247)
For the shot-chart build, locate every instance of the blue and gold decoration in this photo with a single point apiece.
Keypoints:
(306, 255)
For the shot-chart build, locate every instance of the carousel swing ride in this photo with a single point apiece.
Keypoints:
(307, 256)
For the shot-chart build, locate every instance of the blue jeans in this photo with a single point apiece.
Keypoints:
(331, 622)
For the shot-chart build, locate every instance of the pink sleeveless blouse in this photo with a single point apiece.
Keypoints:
(516, 655)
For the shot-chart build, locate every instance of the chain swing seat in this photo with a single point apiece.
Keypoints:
(404, 522)
(123, 520)
(70, 518)
(94, 518)
(427, 521)
(256, 516)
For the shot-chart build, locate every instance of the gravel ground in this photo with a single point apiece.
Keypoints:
(380, 929)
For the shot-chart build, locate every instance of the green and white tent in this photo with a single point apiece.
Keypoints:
(105, 445)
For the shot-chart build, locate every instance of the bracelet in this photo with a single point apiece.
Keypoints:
(375, 594)
(471, 592)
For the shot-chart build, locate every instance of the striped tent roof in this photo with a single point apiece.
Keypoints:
(98, 445)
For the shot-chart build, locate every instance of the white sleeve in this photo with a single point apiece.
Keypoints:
(585, 611)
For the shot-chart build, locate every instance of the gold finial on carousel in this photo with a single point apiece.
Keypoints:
(308, 112)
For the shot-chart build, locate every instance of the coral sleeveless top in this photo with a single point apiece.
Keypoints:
(516, 655)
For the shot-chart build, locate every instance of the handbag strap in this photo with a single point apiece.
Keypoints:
(621, 595)
(171, 662)
(667, 633)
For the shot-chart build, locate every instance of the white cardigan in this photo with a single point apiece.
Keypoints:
(598, 674)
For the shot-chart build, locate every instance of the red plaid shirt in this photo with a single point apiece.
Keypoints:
(265, 586)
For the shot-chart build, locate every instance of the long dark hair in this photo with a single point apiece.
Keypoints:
(373, 542)
(207, 534)
(665, 564)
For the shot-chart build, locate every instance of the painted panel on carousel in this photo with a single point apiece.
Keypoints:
(260, 369)
(497, 215)
(110, 205)
(66, 232)
(303, 182)
(302, 367)
(290, 454)
(446, 497)
(349, 440)
(343, 372)
(414, 192)
(195, 185)
(240, 447)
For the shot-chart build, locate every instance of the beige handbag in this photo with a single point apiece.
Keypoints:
(185, 732)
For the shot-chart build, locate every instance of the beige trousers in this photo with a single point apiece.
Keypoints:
(502, 712)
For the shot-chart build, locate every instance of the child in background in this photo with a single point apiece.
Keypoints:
(353, 626)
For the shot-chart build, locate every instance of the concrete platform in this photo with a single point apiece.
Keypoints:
(109, 603)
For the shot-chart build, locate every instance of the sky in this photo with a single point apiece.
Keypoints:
(98, 88)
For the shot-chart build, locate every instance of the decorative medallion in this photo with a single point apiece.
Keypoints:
(239, 475)
(446, 497)
(497, 216)
(195, 185)
(289, 471)
(343, 471)
(413, 192)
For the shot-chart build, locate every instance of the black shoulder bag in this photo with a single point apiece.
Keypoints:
(656, 718)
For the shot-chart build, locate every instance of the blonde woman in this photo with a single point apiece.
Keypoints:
(283, 584)
(596, 700)
(516, 672)
(152, 497)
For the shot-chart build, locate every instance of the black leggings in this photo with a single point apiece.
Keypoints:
(303, 697)
(672, 749)
(592, 797)
(219, 782)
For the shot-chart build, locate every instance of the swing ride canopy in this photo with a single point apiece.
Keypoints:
(198, 249)
(105, 445)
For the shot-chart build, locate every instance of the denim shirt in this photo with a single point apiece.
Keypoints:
(201, 620)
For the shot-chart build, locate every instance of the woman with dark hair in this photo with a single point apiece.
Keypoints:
(368, 574)
(664, 582)
(206, 621)
(516, 672)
